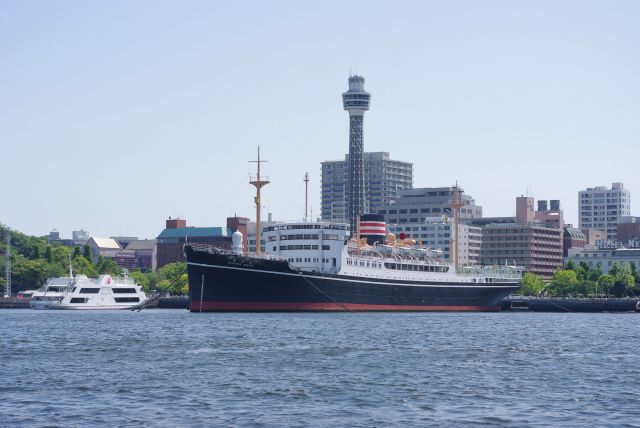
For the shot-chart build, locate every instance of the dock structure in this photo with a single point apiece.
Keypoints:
(570, 304)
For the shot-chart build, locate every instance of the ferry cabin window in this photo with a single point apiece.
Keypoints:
(79, 300)
(326, 247)
(89, 290)
(123, 290)
(127, 299)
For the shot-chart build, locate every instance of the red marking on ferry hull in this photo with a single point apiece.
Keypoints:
(333, 307)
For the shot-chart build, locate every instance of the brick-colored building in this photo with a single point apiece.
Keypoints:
(171, 241)
(537, 248)
(628, 228)
(572, 238)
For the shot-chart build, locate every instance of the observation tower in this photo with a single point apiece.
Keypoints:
(356, 101)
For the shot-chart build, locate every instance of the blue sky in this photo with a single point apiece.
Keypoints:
(115, 115)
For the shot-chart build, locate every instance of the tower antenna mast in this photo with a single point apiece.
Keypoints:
(306, 195)
(7, 266)
(259, 183)
(356, 101)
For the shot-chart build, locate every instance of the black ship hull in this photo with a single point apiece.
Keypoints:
(224, 282)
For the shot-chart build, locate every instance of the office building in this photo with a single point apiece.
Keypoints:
(415, 205)
(535, 244)
(602, 208)
(536, 248)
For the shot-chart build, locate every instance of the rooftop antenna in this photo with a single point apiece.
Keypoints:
(7, 266)
(306, 194)
(258, 183)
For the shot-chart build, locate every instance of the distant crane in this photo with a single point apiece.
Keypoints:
(7, 266)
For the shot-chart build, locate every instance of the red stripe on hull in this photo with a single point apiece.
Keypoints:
(333, 307)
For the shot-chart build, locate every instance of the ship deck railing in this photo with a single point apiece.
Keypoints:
(212, 249)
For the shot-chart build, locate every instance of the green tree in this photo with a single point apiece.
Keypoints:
(532, 285)
(587, 288)
(595, 273)
(35, 252)
(563, 283)
(82, 266)
(570, 265)
(624, 283)
(172, 277)
(614, 270)
(606, 283)
(107, 265)
(141, 279)
(582, 271)
(87, 253)
(76, 252)
(634, 272)
(48, 254)
(28, 274)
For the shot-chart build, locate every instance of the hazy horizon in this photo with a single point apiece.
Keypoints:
(117, 115)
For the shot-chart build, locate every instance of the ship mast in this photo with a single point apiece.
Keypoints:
(456, 203)
(258, 183)
(306, 194)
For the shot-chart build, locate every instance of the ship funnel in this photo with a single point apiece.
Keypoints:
(373, 227)
(236, 243)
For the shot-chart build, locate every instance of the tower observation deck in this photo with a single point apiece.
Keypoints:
(356, 101)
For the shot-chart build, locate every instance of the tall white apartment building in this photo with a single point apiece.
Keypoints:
(384, 178)
(601, 208)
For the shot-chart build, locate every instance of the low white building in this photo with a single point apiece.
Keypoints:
(105, 247)
(608, 254)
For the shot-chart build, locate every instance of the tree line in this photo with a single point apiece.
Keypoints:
(34, 259)
(581, 280)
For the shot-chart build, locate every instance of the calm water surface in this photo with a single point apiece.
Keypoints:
(173, 368)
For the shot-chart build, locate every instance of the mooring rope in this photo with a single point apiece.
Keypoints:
(325, 294)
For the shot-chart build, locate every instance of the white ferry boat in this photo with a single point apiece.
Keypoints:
(51, 293)
(105, 292)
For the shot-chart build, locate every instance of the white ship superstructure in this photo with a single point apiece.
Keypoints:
(324, 247)
(104, 292)
(51, 293)
(309, 247)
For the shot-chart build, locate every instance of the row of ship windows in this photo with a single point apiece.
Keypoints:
(113, 290)
(397, 266)
(306, 226)
(117, 299)
(309, 260)
(299, 237)
(301, 247)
